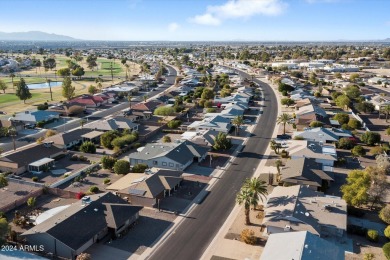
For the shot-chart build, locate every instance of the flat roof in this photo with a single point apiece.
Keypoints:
(41, 162)
(92, 134)
(126, 181)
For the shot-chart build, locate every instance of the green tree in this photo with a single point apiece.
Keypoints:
(356, 188)
(284, 119)
(167, 139)
(371, 138)
(354, 77)
(384, 214)
(257, 187)
(31, 202)
(358, 151)
(353, 92)
(4, 228)
(354, 123)
(365, 107)
(3, 86)
(386, 250)
(207, 94)
(22, 91)
(3, 181)
(174, 124)
(108, 162)
(345, 143)
(92, 89)
(343, 101)
(222, 143)
(64, 72)
(385, 110)
(88, 147)
(49, 63)
(316, 124)
(122, 167)
(78, 72)
(387, 232)
(336, 94)
(68, 91)
(287, 102)
(107, 138)
(246, 196)
(164, 111)
(342, 118)
(139, 168)
(237, 122)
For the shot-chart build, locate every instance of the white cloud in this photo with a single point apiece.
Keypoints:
(172, 27)
(232, 9)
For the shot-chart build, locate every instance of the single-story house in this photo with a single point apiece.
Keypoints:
(324, 154)
(90, 101)
(149, 191)
(18, 161)
(217, 123)
(324, 135)
(204, 137)
(116, 123)
(299, 208)
(73, 230)
(174, 156)
(301, 245)
(67, 140)
(309, 113)
(33, 117)
(380, 101)
(305, 171)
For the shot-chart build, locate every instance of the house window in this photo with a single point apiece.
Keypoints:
(155, 163)
(171, 164)
(164, 164)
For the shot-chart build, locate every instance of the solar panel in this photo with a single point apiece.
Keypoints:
(137, 192)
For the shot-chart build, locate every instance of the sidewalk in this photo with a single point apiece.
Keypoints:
(233, 249)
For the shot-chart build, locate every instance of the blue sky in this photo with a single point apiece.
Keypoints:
(214, 20)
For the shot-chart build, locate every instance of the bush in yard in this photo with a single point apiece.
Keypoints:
(137, 145)
(388, 131)
(384, 214)
(41, 124)
(107, 138)
(369, 256)
(79, 195)
(50, 133)
(211, 110)
(122, 167)
(316, 124)
(354, 123)
(342, 118)
(345, 127)
(387, 232)
(222, 142)
(386, 250)
(372, 235)
(371, 138)
(345, 143)
(166, 139)
(174, 124)
(94, 189)
(358, 151)
(376, 150)
(88, 147)
(108, 162)
(248, 236)
(139, 168)
(83, 158)
(34, 179)
(106, 181)
(74, 157)
(40, 140)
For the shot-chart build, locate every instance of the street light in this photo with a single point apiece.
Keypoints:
(12, 132)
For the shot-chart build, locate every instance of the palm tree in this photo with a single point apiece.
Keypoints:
(12, 75)
(386, 111)
(82, 123)
(258, 187)
(284, 119)
(127, 69)
(278, 163)
(237, 122)
(51, 93)
(246, 197)
(145, 97)
(129, 97)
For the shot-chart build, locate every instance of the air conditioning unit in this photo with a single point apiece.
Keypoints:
(287, 228)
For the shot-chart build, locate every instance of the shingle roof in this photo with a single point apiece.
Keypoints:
(68, 137)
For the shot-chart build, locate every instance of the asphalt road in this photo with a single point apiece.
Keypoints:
(196, 232)
(7, 144)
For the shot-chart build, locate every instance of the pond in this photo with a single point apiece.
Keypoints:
(44, 85)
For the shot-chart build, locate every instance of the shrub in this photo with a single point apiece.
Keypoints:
(74, 157)
(387, 232)
(248, 236)
(139, 168)
(40, 124)
(376, 150)
(211, 110)
(384, 214)
(354, 123)
(122, 167)
(88, 147)
(174, 124)
(94, 189)
(388, 131)
(50, 132)
(83, 158)
(106, 181)
(40, 140)
(342, 118)
(35, 179)
(386, 250)
(166, 139)
(369, 256)
(316, 124)
(43, 106)
(298, 137)
(371, 138)
(137, 145)
(372, 235)
(358, 151)
(345, 127)
(345, 143)
(79, 195)
(108, 162)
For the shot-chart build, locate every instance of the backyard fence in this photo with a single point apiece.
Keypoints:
(19, 202)
(62, 193)
(74, 175)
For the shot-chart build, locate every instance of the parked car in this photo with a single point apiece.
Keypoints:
(247, 121)
(115, 102)
(283, 137)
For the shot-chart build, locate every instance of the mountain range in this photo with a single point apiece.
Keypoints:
(34, 36)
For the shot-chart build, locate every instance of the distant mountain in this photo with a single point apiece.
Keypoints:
(34, 36)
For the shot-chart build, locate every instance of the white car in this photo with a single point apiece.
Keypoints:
(247, 121)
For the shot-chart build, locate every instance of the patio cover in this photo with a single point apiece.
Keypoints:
(41, 162)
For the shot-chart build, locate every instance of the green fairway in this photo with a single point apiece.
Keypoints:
(5, 98)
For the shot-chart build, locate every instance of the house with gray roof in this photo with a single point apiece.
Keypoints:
(299, 208)
(116, 123)
(324, 135)
(73, 230)
(174, 156)
(305, 171)
(301, 245)
(217, 123)
(69, 139)
(33, 117)
(325, 154)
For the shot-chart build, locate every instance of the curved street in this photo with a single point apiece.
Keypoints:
(195, 233)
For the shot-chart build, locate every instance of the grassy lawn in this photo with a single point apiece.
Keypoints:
(9, 97)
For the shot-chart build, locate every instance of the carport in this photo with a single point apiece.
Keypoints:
(38, 166)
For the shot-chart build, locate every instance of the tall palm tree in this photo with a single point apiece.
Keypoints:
(127, 69)
(246, 197)
(284, 119)
(386, 111)
(258, 187)
(237, 122)
(129, 97)
(51, 93)
(145, 97)
(12, 75)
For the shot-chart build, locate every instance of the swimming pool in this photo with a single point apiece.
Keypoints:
(44, 85)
